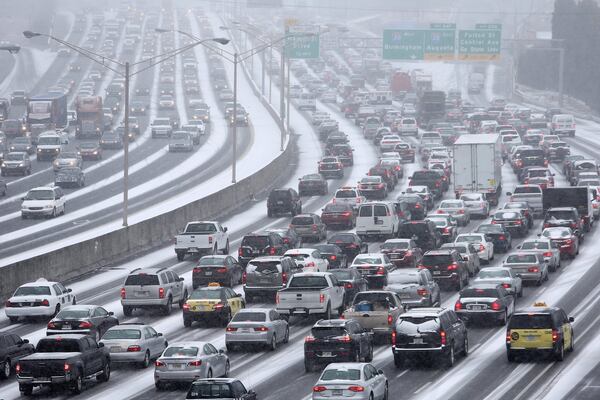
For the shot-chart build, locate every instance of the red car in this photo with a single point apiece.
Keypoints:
(402, 252)
(565, 239)
(339, 215)
(406, 152)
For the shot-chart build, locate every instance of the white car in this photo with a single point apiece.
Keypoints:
(477, 204)
(309, 260)
(389, 142)
(457, 208)
(38, 299)
(166, 102)
(501, 275)
(348, 195)
(546, 248)
(408, 126)
(43, 201)
(483, 244)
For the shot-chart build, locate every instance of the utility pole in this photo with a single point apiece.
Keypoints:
(126, 148)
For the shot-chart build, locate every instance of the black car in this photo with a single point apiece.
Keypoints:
(524, 208)
(350, 243)
(82, 319)
(446, 225)
(429, 333)
(344, 152)
(289, 236)
(485, 301)
(219, 388)
(337, 340)
(260, 244)
(223, 269)
(12, 349)
(353, 282)
(416, 204)
(333, 254)
(424, 233)
(281, 201)
(500, 235)
(447, 267)
(312, 184)
(513, 220)
(111, 140)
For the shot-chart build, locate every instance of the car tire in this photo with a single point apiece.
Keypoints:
(398, 361)
(127, 311)
(180, 256)
(187, 322)
(105, 375)
(327, 314)
(56, 310)
(504, 318)
(77, 385)
(13, 320)
(510, 356)
(308, 366)
(369, 357)
(146, 363)
(166, 309)
(559, 355)
(226, 249)
(183, 300)
(273, 345)
(159, 386)
(269, 213)
(450, 358)
(6, 369)
(286, 338)
(227, 318)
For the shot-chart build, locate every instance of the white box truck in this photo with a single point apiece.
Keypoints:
(476, 82)
(478, 165)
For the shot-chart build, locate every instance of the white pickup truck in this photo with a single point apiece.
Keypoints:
(311, 293)
(532, 194)
(202, 237)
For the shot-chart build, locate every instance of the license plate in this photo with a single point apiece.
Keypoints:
(266, 280)
(177, 366)
(437, 272)
(140, 294)
(67, 327)
(280, 202)
(337, 392)
(417, 341)
(326, 354)
(404, 296)
(199, 308)
(477, 307)
(208, 273)
(394, 256)
(530, 338)
(245, 330)
(116, 349)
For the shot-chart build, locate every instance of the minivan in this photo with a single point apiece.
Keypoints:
(563, 124)
(377, 219)
(264, 276)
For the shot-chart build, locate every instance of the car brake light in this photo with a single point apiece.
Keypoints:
(447, 230)
(51, 325)
(422, 292)
(195, 363)
(309, 339)
(322, 298)
(85, 325)
(508, 336)
(452, 267)
(272, 251)
(159, 363)
(458, 305)
(240, 253)
(18, 368)
(548, 254)
(506, 285)
(533, 269)
(123, 293)
(231, 329)
(219, 306)
(7, 304)
(390, 319)
(314, 227)
(393, 338)
(45, 303)
(161, 293)
(461, 211)
(222, 270)
(381, 271)
(481, 247)
(244, 277)
(345, 339)
(421, 266)
(496, 306)
(261, 329)
(66, 367)
(518, 222)
(319, 389)
(134, 348)
(417, 206)
(554, 335)
(356, 389)
(210, 239)
(569, 241)
(443, 337)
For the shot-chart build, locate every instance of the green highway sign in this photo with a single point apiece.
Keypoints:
(479, 44)
(302, 41)
(442, 25)
(414, 44)
(492, 27)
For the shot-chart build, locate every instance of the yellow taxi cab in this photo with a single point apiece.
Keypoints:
(213, 302)
(541, 329)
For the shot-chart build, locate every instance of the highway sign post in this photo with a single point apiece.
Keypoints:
(480, 44)
(415, 44)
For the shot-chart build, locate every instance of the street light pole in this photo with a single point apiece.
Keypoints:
(126, 148)
(287, 114)
(281, 97)
(234, 132)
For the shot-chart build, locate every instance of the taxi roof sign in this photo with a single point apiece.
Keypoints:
(214, 284)
(540, 304)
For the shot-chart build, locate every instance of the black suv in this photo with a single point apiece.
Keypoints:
(260, 244)
(428, 333)
(424, 233)
(12, 349)
(350, 243)
(337, 340)
(283, 201)
(446, 266)
(415, 203)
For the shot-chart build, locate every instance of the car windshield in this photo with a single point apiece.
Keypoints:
(436, 259)
(535, 246)
(490, 274)
(451, 204)
(416, 189)
(342, 238)
(40, 195)
(506, 215)
(528, 190)
(395, 246)
(127, 334)
(205, 293)
(180, 351)
(180, 136)
(336, 208)
(207, 260)
(21, 140)
(490, 228)
(340, 374)
(200, 228)
(255, 242)
(141, 280)
(308, 281)
(328, 332)
(403, 278)
(65, 155)
(367, 260)
(248, 316)
(33, 291)
(345, 194)
(57, 346)
(530, 321)
(521, 259)
(263, 267)
(559, 214)
(556, 233)
(469, 238)
(479, 292)
(343, 274)
(302, 221)
(418, 324)
(210, 390)
(73, 314)
(14, 157)
(88, 146)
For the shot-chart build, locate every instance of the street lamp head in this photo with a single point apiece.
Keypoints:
(162, 30)
(30, 34)
(13, 49)
(220, 40)
(223, 28)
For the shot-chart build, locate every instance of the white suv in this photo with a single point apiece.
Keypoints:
(408, 126)
(44, 201)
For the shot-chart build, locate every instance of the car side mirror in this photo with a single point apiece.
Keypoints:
(69, 290)
(100, 344)
(22, 198)
(221, 351)
(181, 279)
(518, 275)
(380, 372)
(159, 334)
(238, 295)
(111, 313)
(571, 319)
(519, 247)
(24, 341)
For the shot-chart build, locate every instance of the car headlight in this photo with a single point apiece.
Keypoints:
(49, 206)
(21, 165)
(3, 164)
(95, 152)
(56, 150)
(39, 150)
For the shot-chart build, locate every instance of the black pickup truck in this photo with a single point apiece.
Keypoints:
(428, 178)
(63, 360)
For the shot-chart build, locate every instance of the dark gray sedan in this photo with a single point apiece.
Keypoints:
(485, 301)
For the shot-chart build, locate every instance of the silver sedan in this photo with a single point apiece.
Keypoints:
(503, 276)
(187, 361)
(359, 381)
(134, 343)
(530, 267)
(458, 209)
(256, 326)
(546, 248)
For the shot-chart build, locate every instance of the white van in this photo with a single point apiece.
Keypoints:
(307, 101)
(377, 218)
(563, 124)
